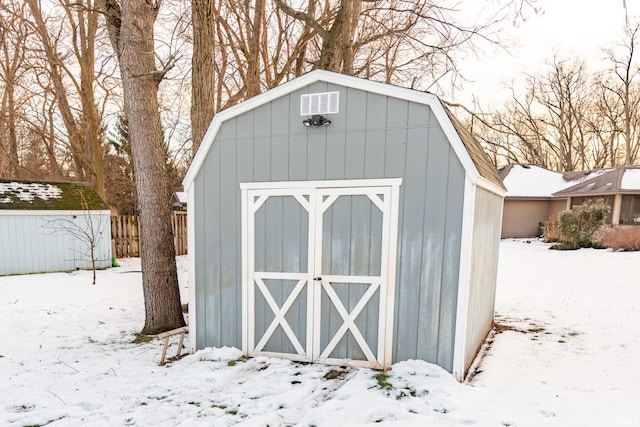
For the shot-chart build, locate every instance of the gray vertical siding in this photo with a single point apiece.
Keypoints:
(373, 136)
(484, 271)
(35, 243)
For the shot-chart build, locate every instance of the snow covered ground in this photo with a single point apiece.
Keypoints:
(567, 356)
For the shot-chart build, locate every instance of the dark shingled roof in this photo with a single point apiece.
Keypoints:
(41, 195)
(477, 153)
(605, 181)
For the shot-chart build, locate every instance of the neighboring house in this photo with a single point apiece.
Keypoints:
(529, 201)
(343, 221)
(179, 201)
(618, 187)
(535, 194)
(41, 227)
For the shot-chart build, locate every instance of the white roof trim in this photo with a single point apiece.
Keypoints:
(490, 186)
(412, 95)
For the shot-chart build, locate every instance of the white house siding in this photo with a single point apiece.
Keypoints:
(484, 271)
(36, 242)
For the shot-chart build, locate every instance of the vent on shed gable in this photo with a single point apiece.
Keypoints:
(319, 103)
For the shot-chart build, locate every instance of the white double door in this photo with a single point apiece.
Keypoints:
(319, 269)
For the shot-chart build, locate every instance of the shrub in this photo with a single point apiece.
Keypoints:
(578, 225)
(620, 238)
(551, 230)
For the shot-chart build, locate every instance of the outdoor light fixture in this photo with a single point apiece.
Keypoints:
(316, 120)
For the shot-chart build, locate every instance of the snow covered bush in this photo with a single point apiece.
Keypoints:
(579, 224)
(620, 238)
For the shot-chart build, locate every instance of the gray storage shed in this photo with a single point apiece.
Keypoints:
(42, 223)
(339, 220)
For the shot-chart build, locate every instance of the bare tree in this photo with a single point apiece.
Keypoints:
(131, 30)
(551, 124)
(13, 38)
(203, 68)
(88, 233)
(84, 132)
(257, 44)
(624, 85)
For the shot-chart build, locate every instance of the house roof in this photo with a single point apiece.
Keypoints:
(181, 197)
(40, 195)
(473, 158)
(532, 181)
(606, 181)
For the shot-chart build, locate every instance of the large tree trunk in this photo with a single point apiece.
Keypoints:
(133, 39)
(202, 69)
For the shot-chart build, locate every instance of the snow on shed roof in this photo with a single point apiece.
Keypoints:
(36, 195)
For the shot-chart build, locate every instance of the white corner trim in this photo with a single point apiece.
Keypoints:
(455, 141)
(191, 262)
(464, 280)
(491, 187)
(203, 150)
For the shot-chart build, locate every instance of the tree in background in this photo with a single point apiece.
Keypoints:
(241, 49)
(121, 188)
(203, 18)
(570, 117)
(131, 30)
(622, 84)
(14, 33)
(84, 130)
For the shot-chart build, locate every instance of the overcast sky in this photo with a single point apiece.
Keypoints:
(569, 27)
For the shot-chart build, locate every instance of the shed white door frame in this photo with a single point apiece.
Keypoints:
(316, 198)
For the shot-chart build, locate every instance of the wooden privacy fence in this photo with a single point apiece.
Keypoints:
(125, 232)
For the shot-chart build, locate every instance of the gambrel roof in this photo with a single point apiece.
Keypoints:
(474, 159)
(41, 195)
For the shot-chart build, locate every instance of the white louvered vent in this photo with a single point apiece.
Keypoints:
(319, 103)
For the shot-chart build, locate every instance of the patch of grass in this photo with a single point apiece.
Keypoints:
(406, 393)
(194, 403)
(574, 334)
(141, 339)
(562, 341)
(232, 412)
(383, 380)
(236, 361)
(215, 405)
(335, 374)
(536, 330)
(143, 403)
(45, 424)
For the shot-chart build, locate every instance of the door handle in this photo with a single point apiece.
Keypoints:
(317, 279)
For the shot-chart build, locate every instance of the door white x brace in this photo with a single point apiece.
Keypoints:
(350, 318)
(280, 312)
